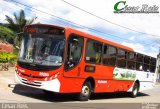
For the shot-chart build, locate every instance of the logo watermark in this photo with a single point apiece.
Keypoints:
(144, 8)
(150, 106)
(14, 106)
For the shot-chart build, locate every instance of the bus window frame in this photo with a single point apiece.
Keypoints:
(126, 56)
(146, 64)
(100, 63)
(129, 60)
(107, 53)
(152, 65)
(66, 50)
(141, 63)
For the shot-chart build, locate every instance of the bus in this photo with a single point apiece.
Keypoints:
(64, 60)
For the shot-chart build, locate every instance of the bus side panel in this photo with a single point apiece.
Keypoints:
(101, 72)
(71, 85)
(146, 80)
(113, 79)
(74, 85)
(113, 86)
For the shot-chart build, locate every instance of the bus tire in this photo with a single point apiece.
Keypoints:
(135, 89)
(48, 93)
(85, 92)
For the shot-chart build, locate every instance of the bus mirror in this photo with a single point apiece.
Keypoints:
(70, 59)
(19, 34)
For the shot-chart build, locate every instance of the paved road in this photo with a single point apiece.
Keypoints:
(19, 93)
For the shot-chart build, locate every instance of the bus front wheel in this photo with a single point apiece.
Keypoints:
(134, 90)
(48, 93)
(85, 91)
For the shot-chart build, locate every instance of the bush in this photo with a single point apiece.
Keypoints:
(7, 57)
(7, 34)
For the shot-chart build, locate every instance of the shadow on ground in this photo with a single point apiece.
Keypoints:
(54, 97)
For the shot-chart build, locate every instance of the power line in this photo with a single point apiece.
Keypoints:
(107, 20)
(67, 20)
(64, 20)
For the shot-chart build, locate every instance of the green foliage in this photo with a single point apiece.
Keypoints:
(18, 23)
(16, 51)
(7, 57)
(7, 34)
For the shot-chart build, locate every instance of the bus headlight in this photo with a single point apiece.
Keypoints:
(18, 72)
(52, 77)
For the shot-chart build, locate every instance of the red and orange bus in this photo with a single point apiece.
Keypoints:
(65, 60)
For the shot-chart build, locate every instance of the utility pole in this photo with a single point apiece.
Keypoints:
(157, 67)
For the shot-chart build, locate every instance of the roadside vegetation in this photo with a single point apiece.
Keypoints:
(7, 57)
(8, 33)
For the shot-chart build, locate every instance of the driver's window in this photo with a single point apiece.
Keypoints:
(74, 51)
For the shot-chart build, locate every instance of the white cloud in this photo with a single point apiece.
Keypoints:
(2, 16)
(137, 47)
(152, 51)
(8, 8)
(148, 23)
(132, 38)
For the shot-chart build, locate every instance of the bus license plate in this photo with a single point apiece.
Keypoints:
(30, 82)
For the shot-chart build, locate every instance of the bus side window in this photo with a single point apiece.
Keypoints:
(131, 60)
(121, 58)
(146, 63)
(139, 62)
(74, 51)
(153, 65)
(109, 55)
(93, 52)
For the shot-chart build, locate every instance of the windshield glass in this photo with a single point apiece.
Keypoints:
(42, 49)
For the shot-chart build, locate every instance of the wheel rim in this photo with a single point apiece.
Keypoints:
(135, 91)
(85, 91)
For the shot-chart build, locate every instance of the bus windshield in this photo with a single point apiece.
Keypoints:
(42, 49)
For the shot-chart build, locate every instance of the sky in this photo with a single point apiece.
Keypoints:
(46, 10)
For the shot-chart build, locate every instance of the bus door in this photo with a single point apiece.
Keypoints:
(74, 51)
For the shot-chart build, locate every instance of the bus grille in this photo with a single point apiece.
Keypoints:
(36, 67)
(31, 84)
(32, 76)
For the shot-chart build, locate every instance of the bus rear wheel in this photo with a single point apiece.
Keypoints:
(85, 91)
(135, 90)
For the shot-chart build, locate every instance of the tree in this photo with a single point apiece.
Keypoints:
(7, 34)
(18, 23)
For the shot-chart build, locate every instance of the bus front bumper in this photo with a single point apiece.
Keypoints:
(52, 85)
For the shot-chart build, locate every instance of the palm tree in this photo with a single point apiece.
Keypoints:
(18, 23)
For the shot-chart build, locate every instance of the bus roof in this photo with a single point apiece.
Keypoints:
(97, 38)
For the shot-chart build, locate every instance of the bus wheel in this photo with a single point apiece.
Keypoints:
(48, 93)
(85, 92)
(135, 90)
